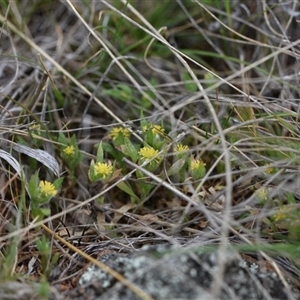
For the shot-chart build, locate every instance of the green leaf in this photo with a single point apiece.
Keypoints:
(43, 199)
(43, 245)
(62, 139)
(91, 172)
(118, 141)
(125, 187)
(189, 85)
(100, 153)
(108, 148)
(59, 96)
(143, 122)
(149, 136)
(45, 211)
(126, 92)
(146, 189)
(291, 198)
(57, 183)
(73, 141)
(33, 186)
(177, 166)
(129, 149)
(123, 93)
(39, 213)
(78, 158)
(199, 172)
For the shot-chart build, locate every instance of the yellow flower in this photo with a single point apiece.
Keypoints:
(263, 194)
(154, 128)
(35, 127)
(197, 164)
(158, 129)
(102, 169)
(70, 150)
(47, 188)
(270, 170)
(197, 168)
(283, 213)
(179, 148)
(148, 152)
(119, 131)
(146, 127)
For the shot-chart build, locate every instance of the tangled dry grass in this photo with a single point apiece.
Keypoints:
(220, 76)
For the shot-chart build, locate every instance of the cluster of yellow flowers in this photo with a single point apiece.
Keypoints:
(197, 166)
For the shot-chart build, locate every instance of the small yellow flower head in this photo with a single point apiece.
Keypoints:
(148, 152)
(158, 129)
(146, 127)
(119, 132)
(270, 170)
(180, 148)
(197, 164)
(263, 194)
(47, 188)
(283, 213)
(197, 169)
(70, 150)
(102, 169)
(35, 127)
(154, 128)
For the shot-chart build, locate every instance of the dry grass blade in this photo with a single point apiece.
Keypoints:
(42, 156)
(12, 161)
(138, 291)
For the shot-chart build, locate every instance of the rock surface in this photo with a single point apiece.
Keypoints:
(166, 272)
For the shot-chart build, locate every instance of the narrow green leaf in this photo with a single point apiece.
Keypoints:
(128, 190)
(33, 186)
(91, 172)
(45, 211)
(189, 85)
(129, 149)
(100, 153)
(62, 139)
(57, 183)
(108, 148)
(176, 167)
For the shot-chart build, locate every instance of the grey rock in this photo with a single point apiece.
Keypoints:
(165, 272)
